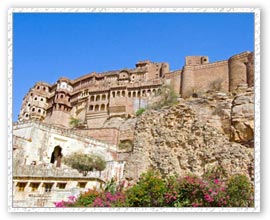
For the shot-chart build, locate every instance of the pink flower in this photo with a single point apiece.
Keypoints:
(60, 204)
(72, 198)
(208, 198)
(216, 181)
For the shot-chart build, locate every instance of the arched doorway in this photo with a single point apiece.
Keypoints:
(57, 156)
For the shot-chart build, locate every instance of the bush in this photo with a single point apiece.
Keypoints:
(153, 191)
(240, 191)
(84, 163)
(148, 192)
(125, 145)
(140, 111)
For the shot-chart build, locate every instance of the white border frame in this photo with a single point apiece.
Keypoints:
(257, 162)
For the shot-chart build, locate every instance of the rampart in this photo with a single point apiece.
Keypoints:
(94, 98)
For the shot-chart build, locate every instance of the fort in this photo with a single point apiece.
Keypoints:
(104, 105)
(95, 97)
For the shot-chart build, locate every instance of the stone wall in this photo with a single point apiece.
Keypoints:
(106, 135)
(45, 137)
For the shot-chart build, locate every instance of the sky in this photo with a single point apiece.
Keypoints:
(47, 46)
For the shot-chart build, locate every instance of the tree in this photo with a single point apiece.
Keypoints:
(85, 162)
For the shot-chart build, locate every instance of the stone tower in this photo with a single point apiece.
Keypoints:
(59, 105)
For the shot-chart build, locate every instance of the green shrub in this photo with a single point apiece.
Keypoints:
(240, 190)
(84, 163)
(140, 111)
(148, 192)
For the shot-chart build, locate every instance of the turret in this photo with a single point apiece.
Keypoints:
(35, 103)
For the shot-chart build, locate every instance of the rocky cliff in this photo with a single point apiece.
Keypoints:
(214, 129)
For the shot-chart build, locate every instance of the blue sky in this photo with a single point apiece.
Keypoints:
(47, 46)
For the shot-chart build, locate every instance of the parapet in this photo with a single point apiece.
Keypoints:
(196, 60)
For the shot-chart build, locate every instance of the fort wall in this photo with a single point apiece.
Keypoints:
(94, 98)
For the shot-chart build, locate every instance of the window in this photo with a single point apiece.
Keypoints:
(35, 98)
(34, 186)
(41, 99)
(39, 111)
(103, 97)
(33, 109)
(61, 185)
(98, 98)
(92, 98)
(37, 87)
(47, 187)
(21, 186)
(123, 93)
(118, 93)
(102, 107)
(61, 96)
(96, 108)
(113, 94)
(91, 107)
(82, 184)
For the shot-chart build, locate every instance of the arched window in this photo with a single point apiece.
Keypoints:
(102, 107)
(33, 109)
(35, 98)
(41, 99)
(113, 94)
(129, 94)
(92, 98)
(148, 92)
(143, 93)
(139, 94)
(38, 87)
(97, 108)
(134, 94)
(103, 97)
(118, 93)
(91, 107)
(123, 93)
(98, 98)
(39, 111)
(57, 156)
(61, 96)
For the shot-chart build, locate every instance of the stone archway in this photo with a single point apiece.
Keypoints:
(57, 156)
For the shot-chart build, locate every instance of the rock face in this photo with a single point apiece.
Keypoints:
(177, 140)
(231, 114)
(242, 119)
